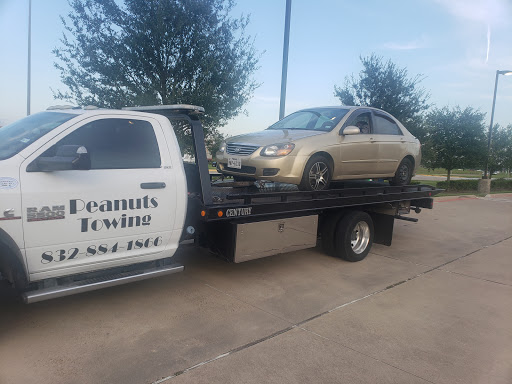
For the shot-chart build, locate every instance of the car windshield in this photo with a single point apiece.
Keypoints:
(318, 119)
(18, 135)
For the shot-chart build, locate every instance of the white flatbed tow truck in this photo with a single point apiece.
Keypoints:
(91, 198)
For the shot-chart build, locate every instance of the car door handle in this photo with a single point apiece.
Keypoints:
(152, 185)
(372, 140)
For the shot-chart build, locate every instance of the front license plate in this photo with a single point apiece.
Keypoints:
(235, 162)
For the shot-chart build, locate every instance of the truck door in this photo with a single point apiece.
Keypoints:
(121, 209)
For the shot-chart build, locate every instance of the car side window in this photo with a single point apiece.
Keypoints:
(363, 121)
(116, 144)
(386, 126)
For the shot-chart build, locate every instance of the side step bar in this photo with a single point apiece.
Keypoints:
(98, 283)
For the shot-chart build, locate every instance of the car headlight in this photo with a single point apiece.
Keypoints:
(222, 148)
(277, 150)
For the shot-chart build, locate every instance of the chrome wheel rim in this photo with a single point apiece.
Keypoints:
(360, 237)
(319, 176)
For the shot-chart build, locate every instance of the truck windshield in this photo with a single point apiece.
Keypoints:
(18, 135)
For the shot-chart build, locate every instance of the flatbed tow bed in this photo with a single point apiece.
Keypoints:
(276, 203)
(347, 220)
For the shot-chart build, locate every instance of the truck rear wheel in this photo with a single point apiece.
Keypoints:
(327, 231)
(353, 236)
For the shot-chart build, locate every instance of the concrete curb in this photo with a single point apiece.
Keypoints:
(441, 199)
(495, 195)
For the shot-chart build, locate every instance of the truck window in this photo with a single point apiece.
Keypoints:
(116, 144)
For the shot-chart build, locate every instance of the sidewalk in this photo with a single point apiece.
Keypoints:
(435, 307)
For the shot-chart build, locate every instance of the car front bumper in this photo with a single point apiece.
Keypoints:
(286, 169)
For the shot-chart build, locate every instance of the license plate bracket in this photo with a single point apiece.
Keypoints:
(235, 162)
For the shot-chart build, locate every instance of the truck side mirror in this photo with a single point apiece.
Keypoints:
(67, 158)
(351, 130)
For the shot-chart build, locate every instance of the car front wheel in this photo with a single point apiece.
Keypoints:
(317, 174)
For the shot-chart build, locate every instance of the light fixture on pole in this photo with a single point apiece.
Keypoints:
(498, 73)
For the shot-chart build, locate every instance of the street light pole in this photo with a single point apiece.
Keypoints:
(498, 73)
(285, 58)
(29, 50)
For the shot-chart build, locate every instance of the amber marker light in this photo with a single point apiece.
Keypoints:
(203, 213)
(220, 213)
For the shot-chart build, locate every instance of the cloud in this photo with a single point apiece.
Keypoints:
(406, 46)
(403, 46)
(266, 99)
(494, 12)
(488, 43)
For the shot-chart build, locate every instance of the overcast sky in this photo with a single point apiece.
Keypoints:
(457, 44)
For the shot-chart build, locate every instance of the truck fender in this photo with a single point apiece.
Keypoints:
(12, 266)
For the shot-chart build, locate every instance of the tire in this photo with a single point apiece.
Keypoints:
(317, 174)
(354, 236)
(403, 173)
(12, 270)
(327, 232)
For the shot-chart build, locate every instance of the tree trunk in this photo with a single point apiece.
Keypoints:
(448, 175)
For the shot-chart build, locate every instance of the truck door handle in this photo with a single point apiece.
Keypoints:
(152, 185)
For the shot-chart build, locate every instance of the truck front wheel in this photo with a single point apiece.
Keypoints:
(353, 236)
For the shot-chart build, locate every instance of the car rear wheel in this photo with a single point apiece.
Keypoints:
(403, 173)
(317, 174)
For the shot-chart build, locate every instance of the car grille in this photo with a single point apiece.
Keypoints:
(240, 149)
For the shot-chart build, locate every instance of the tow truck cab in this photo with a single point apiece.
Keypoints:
(84, 190)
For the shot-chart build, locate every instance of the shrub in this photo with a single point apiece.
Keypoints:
(472, 185)
(459, 185)
(501, 185)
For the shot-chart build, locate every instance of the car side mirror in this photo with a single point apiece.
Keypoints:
(351, 130)
(67, 158)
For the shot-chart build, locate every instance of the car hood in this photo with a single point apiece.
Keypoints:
(273, 136)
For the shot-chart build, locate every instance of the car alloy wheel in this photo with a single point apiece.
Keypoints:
(319, 176)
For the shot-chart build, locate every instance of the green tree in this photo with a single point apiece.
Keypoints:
(454, 139)
(214, 142)
(385, 86)
(147, 52)
(500, 157)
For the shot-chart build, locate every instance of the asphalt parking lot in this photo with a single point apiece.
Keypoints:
(435, 307)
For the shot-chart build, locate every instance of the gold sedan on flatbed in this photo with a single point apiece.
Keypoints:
(314, 146)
